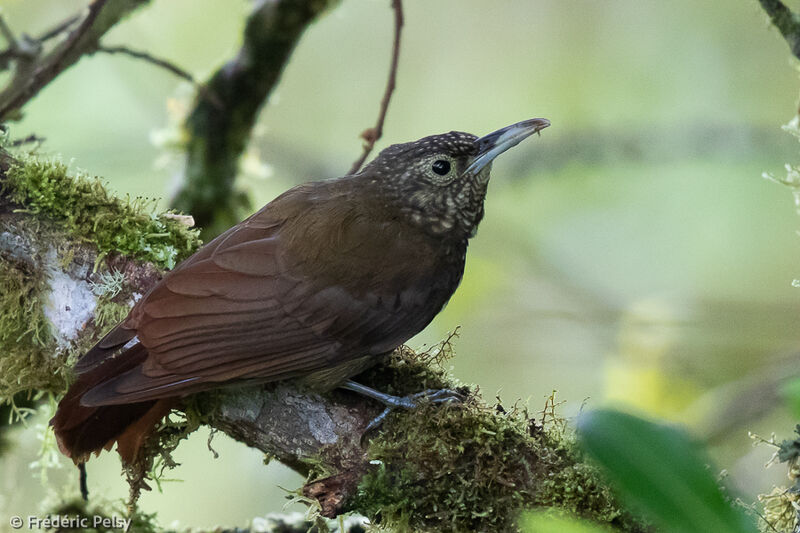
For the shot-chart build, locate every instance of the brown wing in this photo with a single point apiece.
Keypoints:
(125, 332)
(279, 296)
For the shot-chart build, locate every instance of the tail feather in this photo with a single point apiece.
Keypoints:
(82, 430)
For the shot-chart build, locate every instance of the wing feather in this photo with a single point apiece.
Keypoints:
(106, 348)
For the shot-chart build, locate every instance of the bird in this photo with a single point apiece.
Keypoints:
(317, 286)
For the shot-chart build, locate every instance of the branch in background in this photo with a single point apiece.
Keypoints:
(58, 29)
(219, 128)
(34, 73)
(30, 139)
(162, 63)
(787, 22)
(371, 135)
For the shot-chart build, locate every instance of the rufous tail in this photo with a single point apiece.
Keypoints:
(81, 430)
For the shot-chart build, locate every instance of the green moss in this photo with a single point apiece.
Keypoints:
(91, 512)
(470, 467)
(108, 313)
(21, 317)
(26, 344)
(89, 212)
(81, 210)
(576, 488)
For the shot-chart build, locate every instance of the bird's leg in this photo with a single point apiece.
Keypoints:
(406, 402)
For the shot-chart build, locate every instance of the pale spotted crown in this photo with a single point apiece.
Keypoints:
(455, 143)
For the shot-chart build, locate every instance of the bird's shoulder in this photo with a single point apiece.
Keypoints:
(345, 232)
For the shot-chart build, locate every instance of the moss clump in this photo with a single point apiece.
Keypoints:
(22, 317)
(89, 212)
(577, 488)
(94, 518)
(25, 338)
(470, 467)
(108, 313)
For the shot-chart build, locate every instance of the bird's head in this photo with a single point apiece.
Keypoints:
(440, 181)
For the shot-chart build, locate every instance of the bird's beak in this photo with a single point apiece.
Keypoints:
(494, 144)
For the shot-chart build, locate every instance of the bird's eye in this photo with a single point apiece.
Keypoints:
(441, 167)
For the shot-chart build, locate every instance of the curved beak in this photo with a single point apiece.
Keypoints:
(494, 144)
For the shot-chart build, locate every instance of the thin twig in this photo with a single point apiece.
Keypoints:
(371, 135)
(58, 29)
(33, 138)
(137, 54)
(787, 22)
(8, 35)
(163, 63)
(23, 50)
(75, 36)
(11, 51)
(31, 47)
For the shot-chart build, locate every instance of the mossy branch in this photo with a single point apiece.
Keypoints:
(78, 257)
(787, 22)
(224, 113)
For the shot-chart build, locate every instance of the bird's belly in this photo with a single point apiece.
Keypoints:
(331, 377)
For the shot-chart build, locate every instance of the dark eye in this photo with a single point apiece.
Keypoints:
(441, 167)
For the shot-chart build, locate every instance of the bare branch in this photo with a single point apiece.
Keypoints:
(58, 29)
(145, 56)
(30, 139)
(167, 65)
(27, 82)
(29, 48)
(787, 22)
(15, 50)
(371, 135)
(7, 34)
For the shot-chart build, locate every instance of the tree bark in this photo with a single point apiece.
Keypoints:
(787, 22)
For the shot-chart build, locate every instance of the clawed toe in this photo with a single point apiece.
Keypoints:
(411, 401)
(439, 396)
(377, 421)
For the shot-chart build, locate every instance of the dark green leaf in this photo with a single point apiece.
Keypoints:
(791, 393)
(657, 469)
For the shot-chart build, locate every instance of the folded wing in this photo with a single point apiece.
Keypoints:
(250, 306)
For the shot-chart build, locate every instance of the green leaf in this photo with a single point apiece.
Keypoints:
(660, 471)
(790, 391)
(545, 522)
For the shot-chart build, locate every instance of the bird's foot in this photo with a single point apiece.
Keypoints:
(406, 402)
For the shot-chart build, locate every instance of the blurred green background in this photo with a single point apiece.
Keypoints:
(631, 255)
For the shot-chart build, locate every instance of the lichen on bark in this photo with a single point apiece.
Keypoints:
(62, 237)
